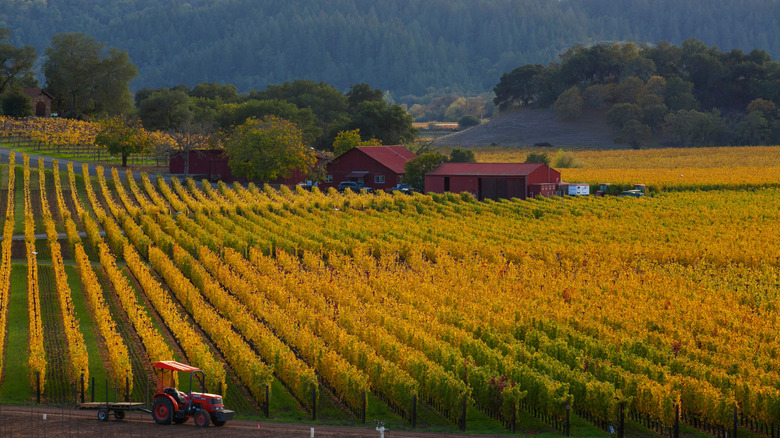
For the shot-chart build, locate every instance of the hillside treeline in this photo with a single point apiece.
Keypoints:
(319, 110)
(691, 95)
(413, 48)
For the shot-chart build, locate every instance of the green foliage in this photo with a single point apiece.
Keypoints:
(416, 168)
(634, 133)
(16, 63)
(569, 104)
(165, 110)
(390, 124)
(694, 128)
(538, 157)
(621, 113)
(458, 155)
(564, 160)
(16, 104)
(83, 80)
(122, 136)
(468, 121)
(346, 140)
(263, 150)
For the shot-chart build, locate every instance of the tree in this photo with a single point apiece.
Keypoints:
(753, 129)
(565, 160)
(458, 155)
(15, 62)
(190, 137)
(362, 92)
(569, 104)
(122, 136)
(596, 95)
(538, 157)
(214, 91)
(228, 116)
(679, 95)
(16, 104)
(634, 133)
(416, 168)
(694, 128)
(520, 87)
(266, 149)
(468, 121)
(629, 90)
(83, 81)
(620, 113)
(346, 140)
(165, 110)
(391, 124)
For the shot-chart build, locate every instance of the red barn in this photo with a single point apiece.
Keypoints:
(494, 180)
(212, 164)
(379, 167)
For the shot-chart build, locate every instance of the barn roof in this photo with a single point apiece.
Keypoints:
(485, 169)
(392, 157)
(33, 92)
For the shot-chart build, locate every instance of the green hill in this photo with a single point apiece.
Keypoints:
(410, 47)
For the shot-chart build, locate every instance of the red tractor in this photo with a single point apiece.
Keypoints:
(172, 405)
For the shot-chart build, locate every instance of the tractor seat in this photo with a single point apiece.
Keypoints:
(173, 392)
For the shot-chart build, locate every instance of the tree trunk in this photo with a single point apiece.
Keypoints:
(124, 160)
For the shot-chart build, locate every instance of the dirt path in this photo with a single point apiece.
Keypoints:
(526, 127)
(28, 421)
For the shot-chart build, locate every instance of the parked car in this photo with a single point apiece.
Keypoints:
(403, 188)
(354, 186)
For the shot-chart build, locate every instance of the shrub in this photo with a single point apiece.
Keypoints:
(565, 160)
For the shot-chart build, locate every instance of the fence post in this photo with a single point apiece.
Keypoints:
(38, 386)
(568, 419)
(267, 402)
(127, 388)
(314, 404)
(514, 418)
(82, 387)
(621, 419)
(463, 414)
(735, 422)
(93, 388)
(676, 421)
(414, 411)
(365, 407)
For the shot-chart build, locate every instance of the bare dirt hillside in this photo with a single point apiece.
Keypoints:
(525, 127)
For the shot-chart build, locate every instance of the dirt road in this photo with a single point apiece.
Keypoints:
(40, 421)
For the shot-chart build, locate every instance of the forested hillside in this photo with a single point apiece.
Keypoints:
(409, 47)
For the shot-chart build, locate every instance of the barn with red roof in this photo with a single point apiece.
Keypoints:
(494, 180)
(379, 167)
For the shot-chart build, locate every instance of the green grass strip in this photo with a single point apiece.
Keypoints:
(87, 326)
(16, 378)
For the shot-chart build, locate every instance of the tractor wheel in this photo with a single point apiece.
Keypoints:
(162, 411)
(119, 415)
(201, 418)
(218, 423)
(103, 415)
(177, 420)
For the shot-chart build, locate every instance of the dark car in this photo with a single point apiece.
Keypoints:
(403, 188)
(354, 186)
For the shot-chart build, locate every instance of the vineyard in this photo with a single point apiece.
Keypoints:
(433, 309)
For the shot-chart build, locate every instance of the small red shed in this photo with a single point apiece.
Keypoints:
(41, 101)
(379, 167)
(211, 164)
(494, 180)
